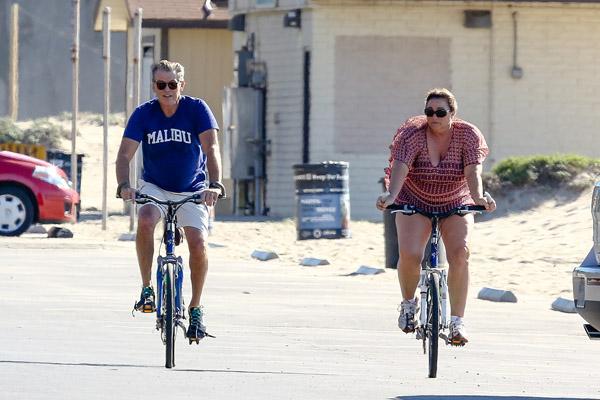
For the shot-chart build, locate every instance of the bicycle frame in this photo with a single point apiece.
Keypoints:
(176, 261)
(169, 276)
(433, 286)
(431, 267)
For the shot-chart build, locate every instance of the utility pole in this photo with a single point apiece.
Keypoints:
(137, 56)
(75, 60)
(106, 57)
(13, 72)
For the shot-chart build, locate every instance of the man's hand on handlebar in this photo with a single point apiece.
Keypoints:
(127, 193)
(210, 196)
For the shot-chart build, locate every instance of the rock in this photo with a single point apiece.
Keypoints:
(365, 270)
(127, 237)
(313, 262)
(58, 232)
(503, 296)
(564, 305)
(264, 255)
(37, 229)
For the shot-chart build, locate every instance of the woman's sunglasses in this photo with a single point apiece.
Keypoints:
(440, 112)
(161, 85)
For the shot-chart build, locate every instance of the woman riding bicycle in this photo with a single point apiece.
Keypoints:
(436, 166)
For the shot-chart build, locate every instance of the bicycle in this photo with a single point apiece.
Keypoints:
(170, 308)
(433, 285)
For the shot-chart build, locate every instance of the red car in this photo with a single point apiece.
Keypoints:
(33, 190)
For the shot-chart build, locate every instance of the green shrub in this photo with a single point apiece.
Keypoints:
(550, 170)
(9, 131)
(45, 132)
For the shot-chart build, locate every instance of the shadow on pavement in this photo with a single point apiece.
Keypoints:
(460, 397)
(104, 365)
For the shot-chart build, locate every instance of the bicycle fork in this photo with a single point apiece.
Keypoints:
(423, 289)
(178, 277)
(423, 285)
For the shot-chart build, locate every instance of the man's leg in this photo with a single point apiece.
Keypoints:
(198, 262)
(198, 269)
(148, 217)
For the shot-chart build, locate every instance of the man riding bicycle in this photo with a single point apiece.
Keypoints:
(180, 145)
(436, 166)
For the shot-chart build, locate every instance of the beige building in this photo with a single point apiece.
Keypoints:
(342, 75)
(180, 31)
(177, 30)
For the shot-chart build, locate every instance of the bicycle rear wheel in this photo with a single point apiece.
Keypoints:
(169, 301)
(433, 322)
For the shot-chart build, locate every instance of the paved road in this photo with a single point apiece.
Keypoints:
(283, 332)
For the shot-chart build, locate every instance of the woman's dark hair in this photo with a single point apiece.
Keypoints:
(443, 93)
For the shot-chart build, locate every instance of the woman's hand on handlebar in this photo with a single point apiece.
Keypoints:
(385, 199)
(487, 201)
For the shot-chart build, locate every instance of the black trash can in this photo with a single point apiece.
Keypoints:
(322, 200)
(390, 235)
(63, 161)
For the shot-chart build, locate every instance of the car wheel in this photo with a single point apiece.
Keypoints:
(16, 211)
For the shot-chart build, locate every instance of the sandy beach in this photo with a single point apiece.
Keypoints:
(287, 331)
(530, 251)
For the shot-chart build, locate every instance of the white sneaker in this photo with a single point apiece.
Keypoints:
(408, 309)
(458, 332)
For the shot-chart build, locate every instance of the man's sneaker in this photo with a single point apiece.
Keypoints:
(458, 332)
(408, 309)
(146, 303)
(196, 330)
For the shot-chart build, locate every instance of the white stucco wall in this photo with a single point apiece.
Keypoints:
(469, 73)
(551, 109)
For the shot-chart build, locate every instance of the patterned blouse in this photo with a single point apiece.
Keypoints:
(436, 188)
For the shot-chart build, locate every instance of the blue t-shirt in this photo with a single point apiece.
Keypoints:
(173, 157)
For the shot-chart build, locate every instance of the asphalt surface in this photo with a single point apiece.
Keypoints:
(282, 332)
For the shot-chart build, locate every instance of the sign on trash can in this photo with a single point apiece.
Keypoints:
(322, 200)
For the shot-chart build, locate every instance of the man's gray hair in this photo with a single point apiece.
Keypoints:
(169, 66)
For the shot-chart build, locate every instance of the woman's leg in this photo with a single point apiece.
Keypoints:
(413, 232)
(455, 233)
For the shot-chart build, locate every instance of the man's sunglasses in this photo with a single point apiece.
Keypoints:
(161, 85)
(440, 112)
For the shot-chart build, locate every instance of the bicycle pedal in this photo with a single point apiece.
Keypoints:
(445, 338)
(457, 342)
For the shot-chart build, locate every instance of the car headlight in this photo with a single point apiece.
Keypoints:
(50, 175)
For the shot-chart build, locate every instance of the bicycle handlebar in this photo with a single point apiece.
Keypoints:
(410, 210)
(141, 198)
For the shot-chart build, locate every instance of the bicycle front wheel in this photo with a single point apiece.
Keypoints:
(433, 322)
(169, 301)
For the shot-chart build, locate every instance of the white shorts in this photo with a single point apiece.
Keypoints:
(189, 214)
